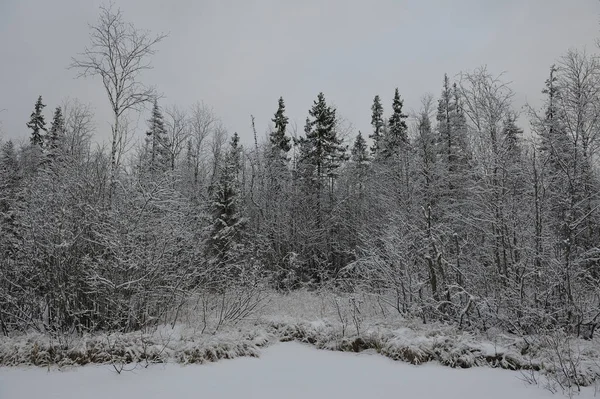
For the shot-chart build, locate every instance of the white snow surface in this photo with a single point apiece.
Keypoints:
(290, 370)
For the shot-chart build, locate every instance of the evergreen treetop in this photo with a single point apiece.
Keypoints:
(378, 123)
(396, 134)
(57, 129)
(554, 141)
(359, 150)
(156, 141)
(511, 135)
(278, 138)
(37, 124)
(322, 147)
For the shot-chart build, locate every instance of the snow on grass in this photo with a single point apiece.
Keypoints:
(289, 370)
(324, 321)
(119, 349)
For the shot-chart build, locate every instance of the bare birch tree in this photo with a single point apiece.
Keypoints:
(202, 123)
(177, 133)
(118, 53)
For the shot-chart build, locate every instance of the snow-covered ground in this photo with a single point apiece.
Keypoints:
(290, 370)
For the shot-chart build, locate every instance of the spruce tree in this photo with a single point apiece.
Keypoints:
(228, 223)
(9, 174)
(426, 150)
(321, 154)
(396, 134)
(56, 133)
(37, 124)
(276, 197)
(511, 137)
(359, 150)
(459, 127)
(9, 188)
(156, 141)
(279, 141)
(303, 165)
(322, 148)
(554, 140)
(557, 155)
(444, 119)
(360, 159)
(377, 122)
(357, 181)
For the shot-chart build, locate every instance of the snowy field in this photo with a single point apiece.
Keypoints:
(289, 370)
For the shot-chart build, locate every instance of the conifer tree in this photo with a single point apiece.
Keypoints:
(378, 123)
(396, 134)
(279, 141)
(9, 173)
(276, 210)
(228, 223)
(554, 141)
(303, 165)
(56, 133)
(356, 203)
(156, 141)
(445, 117)
(321, 153)
(279, 146)
(425, 146)
(322, 148)
(511, 136)
(444, 110)
(37, 124)
(359, 150)
(9, 185)
(360, 158)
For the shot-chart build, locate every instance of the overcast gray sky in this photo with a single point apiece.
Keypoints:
(239, 56)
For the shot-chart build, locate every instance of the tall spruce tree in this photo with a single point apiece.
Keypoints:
(37, 124)
(378, 123)
(56, 133)
(321, 153)
(280, 143)
(156, 142)
(356, 204)
(276, 210)
(396, 135)
(277, 154)
(326, 151)
(225, 242)
(554, 141)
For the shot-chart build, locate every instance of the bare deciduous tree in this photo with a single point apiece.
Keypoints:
(202, 123)
(79, 127)
(177, 132)
(118, 53)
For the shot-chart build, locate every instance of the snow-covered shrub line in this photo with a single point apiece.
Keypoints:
(410, 342)
(41, 350)
(452, 347)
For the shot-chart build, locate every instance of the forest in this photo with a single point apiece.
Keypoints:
(469, 212)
